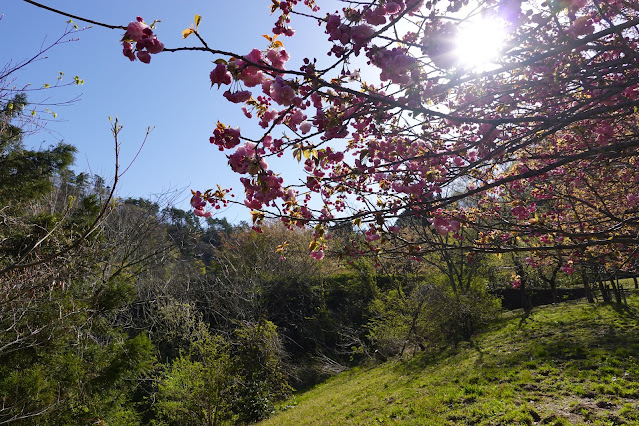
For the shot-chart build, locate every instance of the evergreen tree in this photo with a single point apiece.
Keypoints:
(26, 174)
(61, 359)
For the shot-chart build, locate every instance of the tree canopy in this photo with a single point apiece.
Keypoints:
(535, 149)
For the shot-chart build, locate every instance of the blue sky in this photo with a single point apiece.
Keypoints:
(172, 94)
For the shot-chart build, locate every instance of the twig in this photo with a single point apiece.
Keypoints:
(59, 12)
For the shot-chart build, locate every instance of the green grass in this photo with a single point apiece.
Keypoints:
(569, 364)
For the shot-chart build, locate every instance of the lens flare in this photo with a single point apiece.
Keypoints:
(479, 43)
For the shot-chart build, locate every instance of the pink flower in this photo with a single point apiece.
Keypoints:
(220, 75)
(393, 7)
(127, 50)
(318, 254)
(254, 55)
(225, 137)
(245, 160)
(136, 30)
(202, 213)
(151, 44)
(372, 235)
(281, 92)
(241, 159)
(305, 127)
(361, 33)
(144, 56)
(395, 64)
(295, 118)
(146, 43)
(237, 97)
(375, 17)
(278, 58)
(267, 117)
(444, 226)
(197, 202)
(252, 77)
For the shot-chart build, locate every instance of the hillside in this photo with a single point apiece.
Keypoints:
(573, 363)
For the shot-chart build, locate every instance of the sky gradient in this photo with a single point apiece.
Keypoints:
(172, 94)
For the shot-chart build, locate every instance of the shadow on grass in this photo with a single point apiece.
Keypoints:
(624, 310)
(585, 330)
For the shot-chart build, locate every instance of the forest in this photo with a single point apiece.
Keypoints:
(434, 198)
(123, 312)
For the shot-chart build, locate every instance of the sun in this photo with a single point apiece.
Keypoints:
(479, 43)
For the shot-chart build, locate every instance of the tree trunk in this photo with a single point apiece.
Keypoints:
(587, 288)
(526, 303)
(615, 290)
(605, 294)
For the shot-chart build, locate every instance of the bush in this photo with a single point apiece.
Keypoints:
(217, 383)
(193, 389)
(428, 315)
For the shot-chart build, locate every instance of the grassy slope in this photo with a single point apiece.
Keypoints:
(573, 363)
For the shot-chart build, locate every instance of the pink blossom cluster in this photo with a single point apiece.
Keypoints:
(359, 35)
(279, 90)
(523, 212)
(305, 127)
(278, 58)
(439, 44)
(318, 254)
(216, 198)
(198, 203)
(220, 75)
(295, 119)
(286, 7)
(225, 137)
(582, 26)
(444, 225)
(268, 116)
(263, 190)
(377, 15)
(146, 43)
(413, 165)
(249, 74)
(396, 65)
(237, 97)
(245, 160)
(371, 234)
